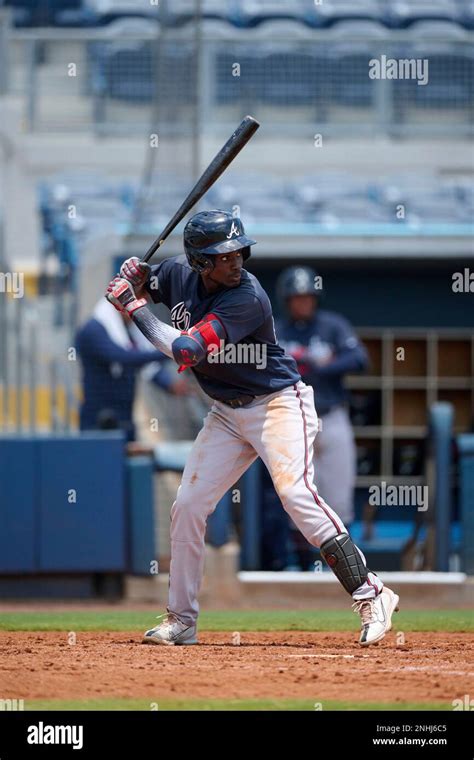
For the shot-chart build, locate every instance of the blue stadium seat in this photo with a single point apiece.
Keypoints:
(467, 13)
(433, 210)
(330, 12)
(246, 189)
(358, 29)
(441, 31)
(106, 11)
(316, 192)
(270, 210)
(425, 198)
(27, 13)
(358, 210)
(128, 72)
(450, 80)
(400, 14)
(290, 78)
(249, 13)
(177, 65)
(462, 189)
(274, 30)
(244, 88)
(351, 84)
(179, 12)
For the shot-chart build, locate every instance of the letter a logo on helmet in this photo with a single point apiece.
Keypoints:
(234, 230)
(212, 232)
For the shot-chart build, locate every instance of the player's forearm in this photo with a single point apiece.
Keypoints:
(156, 331)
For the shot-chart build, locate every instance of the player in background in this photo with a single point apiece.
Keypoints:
(260, 409)
(113, 352)
(325, 349)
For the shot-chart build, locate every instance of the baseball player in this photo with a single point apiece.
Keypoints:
(261, 409)
(325, 348)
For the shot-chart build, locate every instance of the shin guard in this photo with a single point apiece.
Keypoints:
(345, 561)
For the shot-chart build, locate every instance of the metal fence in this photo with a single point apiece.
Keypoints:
(38, 369)
(119, 80)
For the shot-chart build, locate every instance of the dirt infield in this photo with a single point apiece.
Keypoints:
(435, 667)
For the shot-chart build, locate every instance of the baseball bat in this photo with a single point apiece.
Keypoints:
(219, 163)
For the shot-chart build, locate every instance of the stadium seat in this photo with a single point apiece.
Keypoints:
(106, 11)
(400, 14)
(290, 78)
(128, 72)
(433, 210)
(270, 211)
(219, 29)
(443, 31)
(330, 12)
(450, 80)
(328, 198)
(137, 28)
(274, 30)
(27, 13)
(249, 13)
(179, 12)
(404, 189)
(353, 210)
(351, 84)
(314, 192)
(358, 29)
(70, 13)
(467, 13)
(246, 88)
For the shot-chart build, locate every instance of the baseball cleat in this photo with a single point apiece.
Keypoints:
(171, 632)
(376, 615)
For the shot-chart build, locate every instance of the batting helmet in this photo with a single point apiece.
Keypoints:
(297, 281)
(211, 232)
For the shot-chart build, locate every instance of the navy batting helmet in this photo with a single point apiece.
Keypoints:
(297, 281)
(211, 232)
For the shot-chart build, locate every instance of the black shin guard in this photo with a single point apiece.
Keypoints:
(345, 561)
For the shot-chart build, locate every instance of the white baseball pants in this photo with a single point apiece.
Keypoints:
(280, 428)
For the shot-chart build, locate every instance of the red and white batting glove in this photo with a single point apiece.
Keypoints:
(121, 295)
(135, 271)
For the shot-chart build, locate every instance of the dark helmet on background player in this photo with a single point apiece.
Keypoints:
(298, 281)
(211, 232)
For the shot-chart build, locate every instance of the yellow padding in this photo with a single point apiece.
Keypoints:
(44, 407)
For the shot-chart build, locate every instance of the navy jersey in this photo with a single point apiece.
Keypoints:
(251, 361)
(326, 348)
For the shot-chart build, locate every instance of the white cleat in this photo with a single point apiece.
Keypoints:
(171, 632)
(376, 615)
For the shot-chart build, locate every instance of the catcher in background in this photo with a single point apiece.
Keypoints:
(260, 409)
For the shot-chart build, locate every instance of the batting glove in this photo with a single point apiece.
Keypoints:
(135, 271)
(121, 295)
